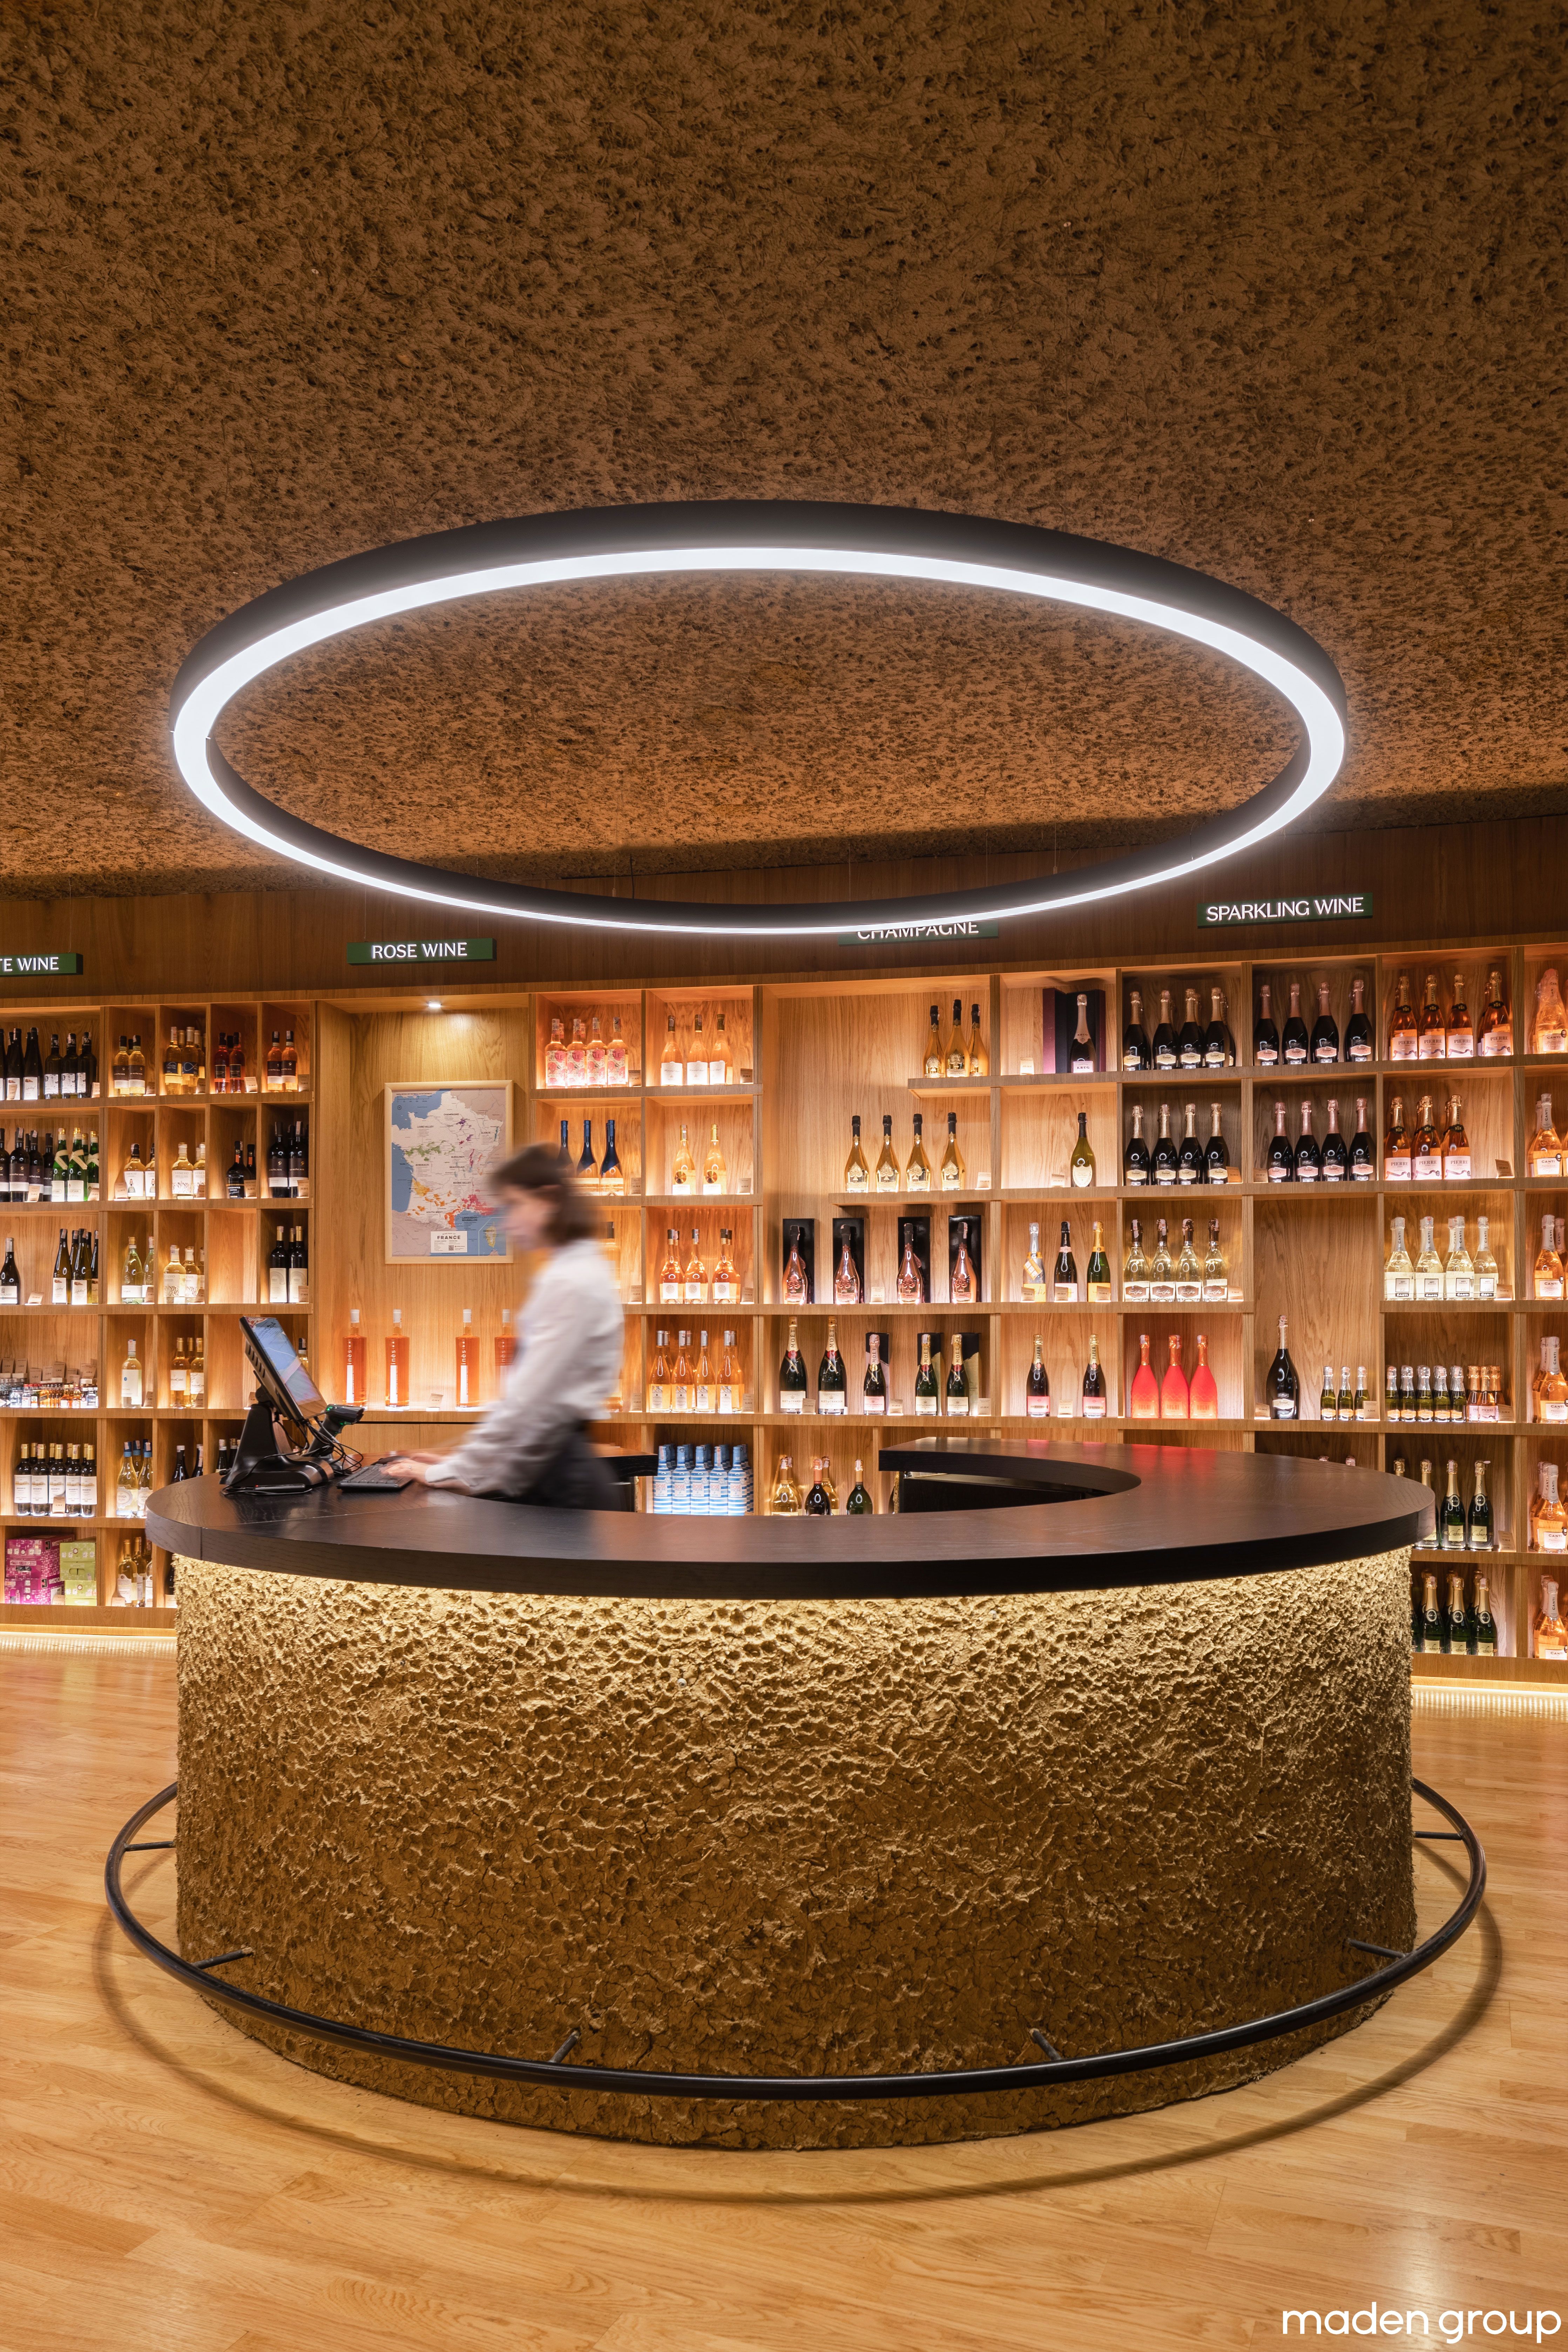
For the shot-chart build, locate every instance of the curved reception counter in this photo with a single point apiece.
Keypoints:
(1083, 1749)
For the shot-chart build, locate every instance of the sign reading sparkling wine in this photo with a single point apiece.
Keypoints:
(1318, 907)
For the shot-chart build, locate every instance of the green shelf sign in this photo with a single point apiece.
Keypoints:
(406, 951)
(38, 966)
(1314, 907)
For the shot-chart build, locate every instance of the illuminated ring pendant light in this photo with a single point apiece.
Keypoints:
(757, 536)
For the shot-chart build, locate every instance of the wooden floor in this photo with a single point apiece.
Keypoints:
(164, 2184)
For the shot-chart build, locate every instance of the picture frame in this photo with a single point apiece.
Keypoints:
(442, 1138)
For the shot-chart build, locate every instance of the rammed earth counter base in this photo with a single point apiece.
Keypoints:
(786, 1796)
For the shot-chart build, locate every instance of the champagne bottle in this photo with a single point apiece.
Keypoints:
(957, 1391)
(1163, 1163)
(612, 1175)
(957, 1051)
(1190, 1038)
(874, 1385)
(1098, 1280)
(1080, 1168)
(911, 1278)
(1295, 1047)
(1135, 1052)
(1135, 1158)
(887, 1159)
(1359, 1044)
(857, 1174)
(1037, 1387)
(1335, 1158)
(1096, 1400)
(1190, 1156)
(1164, 1052)
(1478, 1516)
(961, 1282)
(917, 1173)
(925, 1379)
(1217, 1154)
(831, 1385)
(792, 1374)
(1064, 1279)
(1283, 1389)
(1325, 1044)
(953, 1167)
(1265, 1036)
(859, 1504)
(817, 1505)
(935, 1064)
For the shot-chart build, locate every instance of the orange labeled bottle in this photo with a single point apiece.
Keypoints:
(1205, 1394)
(353, 1361)
(1145, 1404)
(398, 1362)
(506, 1346)
(1176, 1397)
(467, 1390)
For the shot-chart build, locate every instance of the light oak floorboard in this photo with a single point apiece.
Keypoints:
(166, 2185)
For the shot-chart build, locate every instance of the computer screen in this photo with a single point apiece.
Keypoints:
(272, 1352)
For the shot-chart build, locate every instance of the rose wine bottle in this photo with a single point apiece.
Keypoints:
(1145, 1401)
(1204, 1399)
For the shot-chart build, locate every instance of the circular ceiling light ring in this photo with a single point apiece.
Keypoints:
(756, 535)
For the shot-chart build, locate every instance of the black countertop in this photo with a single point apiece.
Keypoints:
(1146, 1515)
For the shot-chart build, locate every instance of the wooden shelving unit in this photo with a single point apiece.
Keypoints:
(232, 1237)
(808, 1055)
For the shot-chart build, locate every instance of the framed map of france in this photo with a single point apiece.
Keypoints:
(441, 1143)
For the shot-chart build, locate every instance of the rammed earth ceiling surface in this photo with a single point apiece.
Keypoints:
(1271, 291)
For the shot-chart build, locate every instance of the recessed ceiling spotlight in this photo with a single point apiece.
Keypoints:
(432, 1004)
(952, 551)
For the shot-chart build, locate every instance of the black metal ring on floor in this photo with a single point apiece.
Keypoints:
(950, 2084)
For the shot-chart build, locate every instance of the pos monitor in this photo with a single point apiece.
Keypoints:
(286, 1397)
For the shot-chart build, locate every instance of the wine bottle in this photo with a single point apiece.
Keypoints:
(52, 1069)
(10, 1277)
(1135, 1053)
(612, 1175)
(1095, 1398)
(887, 1175)
(32, 1070)
(957, 1056)
(1162, 1053)
(1217, 1269)
(917, 1173)
(1143, 1404)
(1064, 1278)
(1204, 1402)
(1190, 1038)
(1080, 1168)
(911, 1284)
(1283, 1389)
(1281, 1164)
(874, 1387)
(1034, 1290)
(697, 1054)
(1135, 1272)
(832, 1389)
(925, 1379)
(1190, 1158)
(59, 1286)
(1334, 1162)
(1483, 1625)
(1219, 1046)
(1359, 1043)
(1037, 1387)
(1309, 1160)
(277, 1270)
(1174, 1394)
(299, 1270)
(961, 1282)
(1189, 1273)
(792, 1374)
(1163, 1163)
(1265, 1036)
(1161, 1273)
(1135, 1158)
(1217, 1154)
(1098, 1280)
(1362, 1152)
(953, 1168)
(1325, 1031)
(1295, 1045)
(857, 1174)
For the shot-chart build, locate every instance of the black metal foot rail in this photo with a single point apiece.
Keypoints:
(1025, 2075)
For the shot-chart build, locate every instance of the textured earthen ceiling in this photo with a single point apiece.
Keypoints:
(1271, 291)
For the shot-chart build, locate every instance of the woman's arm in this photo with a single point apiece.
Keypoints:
(569, 1358)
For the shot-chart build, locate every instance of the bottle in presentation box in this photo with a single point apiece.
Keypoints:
(397, 1362)
(798, 1244)
(848, 1261)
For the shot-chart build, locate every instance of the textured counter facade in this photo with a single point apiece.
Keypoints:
(846, 1836)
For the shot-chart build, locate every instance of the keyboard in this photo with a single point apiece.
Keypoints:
(373, 1479)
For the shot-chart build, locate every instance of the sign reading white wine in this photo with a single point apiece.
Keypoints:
(38, 966)
(1318, 907)
(422, 951)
